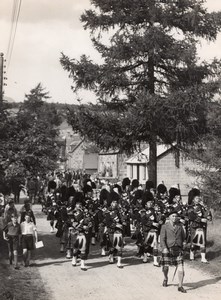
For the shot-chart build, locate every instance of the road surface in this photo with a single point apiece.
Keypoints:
(136, 281)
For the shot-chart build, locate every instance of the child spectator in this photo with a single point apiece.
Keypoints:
(28, 231)
(11, 233)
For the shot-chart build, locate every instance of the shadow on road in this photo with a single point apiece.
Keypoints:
(55, 263)
(23, 284)
(202, 283)
(50, 254)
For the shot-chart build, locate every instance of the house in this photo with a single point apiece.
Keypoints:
(76, 152)
(112, 163)
(82, 157)
(172, 168)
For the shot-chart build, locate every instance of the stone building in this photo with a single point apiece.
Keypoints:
(81, 156)
(76, 152)
(172, 168)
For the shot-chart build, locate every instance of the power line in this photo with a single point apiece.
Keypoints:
(12, 26)
(15, 17)
(18, 8)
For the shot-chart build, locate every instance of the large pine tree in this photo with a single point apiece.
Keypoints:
(150, 84)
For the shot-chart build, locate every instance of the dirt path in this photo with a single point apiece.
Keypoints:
(106, 282)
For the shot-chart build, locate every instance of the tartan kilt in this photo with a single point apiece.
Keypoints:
(167, 260)
(71, 238)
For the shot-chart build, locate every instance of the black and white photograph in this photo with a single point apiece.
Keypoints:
(110, 149)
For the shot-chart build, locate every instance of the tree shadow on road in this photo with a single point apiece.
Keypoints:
(51, 249)
(202, 283)
(50, 254)
(212, 254)
(127, 261)
(54, 262)
(97, 264)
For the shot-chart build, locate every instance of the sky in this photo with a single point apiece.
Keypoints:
(46, 28)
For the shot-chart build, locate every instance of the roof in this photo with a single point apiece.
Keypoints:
(143, 157)
(75, 145)
(109, 152)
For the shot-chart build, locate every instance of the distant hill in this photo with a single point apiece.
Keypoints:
(59, 106)
(14, 106)
(9, 99)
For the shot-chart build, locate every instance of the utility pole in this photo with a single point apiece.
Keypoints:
(1, 76)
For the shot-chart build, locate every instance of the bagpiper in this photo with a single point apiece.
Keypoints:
(177, 205)
(161, 204)
(150, 230)
(80, 235)
(198, 216)
(51, 209)
(113, 232)
(61, 225)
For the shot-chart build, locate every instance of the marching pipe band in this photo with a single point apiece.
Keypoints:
(109, 214)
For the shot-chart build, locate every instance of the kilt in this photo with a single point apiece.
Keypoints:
(81, 246)
(197, 237)
(115, 243)
(151, 238)
(80, 243)
(169, 259)
(71, 238)
(50, 216)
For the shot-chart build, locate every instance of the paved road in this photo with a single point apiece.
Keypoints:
(136, 281)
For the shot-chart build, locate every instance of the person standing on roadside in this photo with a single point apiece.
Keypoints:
(10, 210)
(2, 204)
(173, 241)
(32, 189)
(11, 233)
(29, 232)
(26, 208)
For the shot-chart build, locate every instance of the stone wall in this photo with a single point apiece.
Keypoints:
(170, 174)
(170, 171)
(75, 158)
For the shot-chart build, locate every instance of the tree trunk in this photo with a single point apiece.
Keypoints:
(152, 170)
